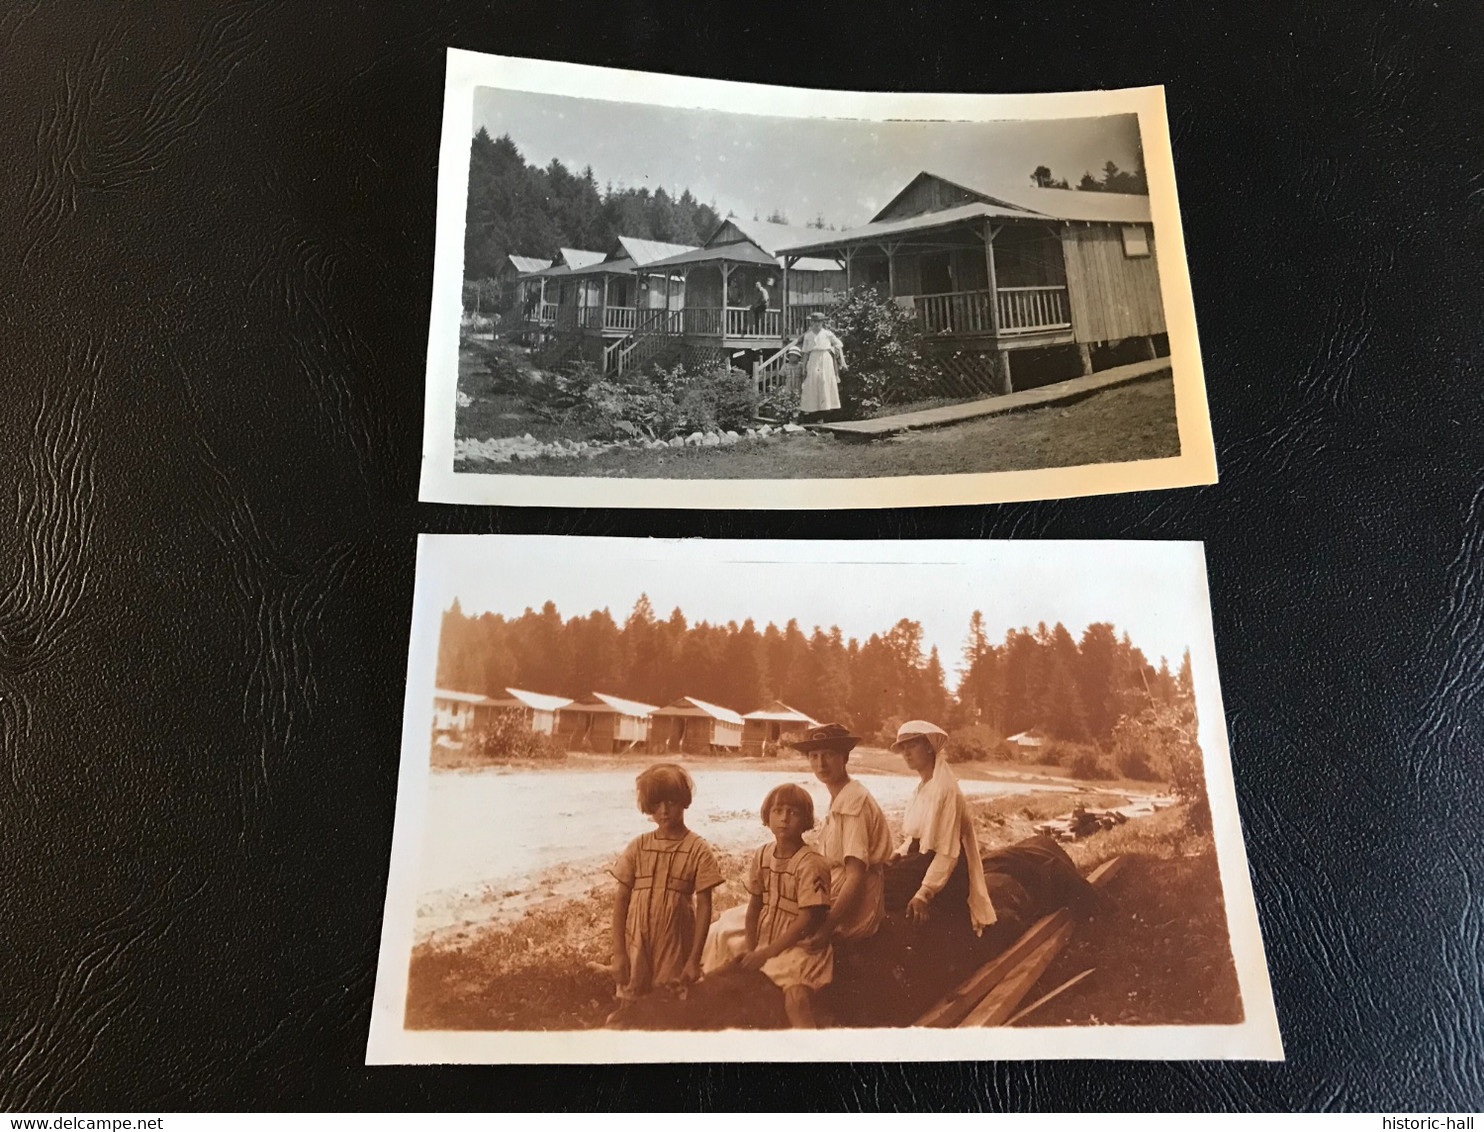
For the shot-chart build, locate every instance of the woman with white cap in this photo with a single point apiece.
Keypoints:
(938, 823)
(824, 361)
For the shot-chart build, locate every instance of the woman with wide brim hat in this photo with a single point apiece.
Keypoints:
(853, 838)
(824, 355)
(938, 829)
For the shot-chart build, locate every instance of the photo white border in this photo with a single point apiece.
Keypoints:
(1256, 1038)
(468, 70)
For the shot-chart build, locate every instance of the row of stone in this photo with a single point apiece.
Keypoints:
(503, 450)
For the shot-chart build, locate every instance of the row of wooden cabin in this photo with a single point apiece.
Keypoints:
(984, 275)
(610, 724)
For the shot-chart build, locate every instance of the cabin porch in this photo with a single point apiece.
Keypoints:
(983, 285)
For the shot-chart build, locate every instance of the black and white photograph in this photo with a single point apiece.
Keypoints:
(652, 290)
(695, 800)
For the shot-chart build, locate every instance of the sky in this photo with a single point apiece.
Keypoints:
(1145, 588)
(842, 169)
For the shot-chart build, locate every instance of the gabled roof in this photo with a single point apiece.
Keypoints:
(569, 259)
(1026, 739)
(761, 246)
(461, 697)
(689, 705)
(927, 221)
(600, 702)
(577, 257)
(526, 264)
(765, 234)
(1059, 204)
(535, 700)
(1081, 204)
(645, 252)
(630, 254)
(780, 712)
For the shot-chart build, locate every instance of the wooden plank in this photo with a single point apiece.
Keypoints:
(1048, 996)
(1000, 1003)
(950, 1010)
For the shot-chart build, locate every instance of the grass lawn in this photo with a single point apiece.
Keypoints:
(1127, 422)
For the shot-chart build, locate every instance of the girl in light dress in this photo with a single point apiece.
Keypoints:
(789, 897)
(662, 909)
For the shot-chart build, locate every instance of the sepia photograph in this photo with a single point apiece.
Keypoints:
(660, 291)
(702, 800)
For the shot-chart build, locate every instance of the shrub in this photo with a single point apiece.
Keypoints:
(883, 349)
(507, 736)
(658, 403)
(780, 404)
(976, 742)
(1160, 741)
(721, 398)
(1081, 759)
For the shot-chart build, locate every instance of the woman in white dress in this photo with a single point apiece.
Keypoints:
(824, 356)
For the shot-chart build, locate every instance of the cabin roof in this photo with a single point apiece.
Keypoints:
(568, 260)
(461, 697)
(1014, 204)
(689, 705)
(526, 264)
(602, 703)
(741, 251)
(578, 257)
(1079, 204)
(535, 700)
(1026, 739)
(944, 218)
(780, 712)
(630, 254)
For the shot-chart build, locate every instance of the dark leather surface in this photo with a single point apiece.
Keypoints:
(215, 260)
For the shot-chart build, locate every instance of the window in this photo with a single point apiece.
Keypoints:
(1135, 241)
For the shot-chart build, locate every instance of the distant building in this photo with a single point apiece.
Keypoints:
(538, 711)
(1024, 746)
(600, 722)
(694, 727)
(773, 724)
(457, 713)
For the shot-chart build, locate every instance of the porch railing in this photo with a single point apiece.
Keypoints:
(1025, 310)
(1022, 310)
(548, 313)
(735, 322)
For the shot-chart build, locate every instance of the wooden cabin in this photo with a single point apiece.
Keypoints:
(694, 727)
(773, 724)
(1025, 746)
(537, 711)
(547, 282)
(1057, 276)
(457, 714)
(722, 278)
(604, 723)
(520, 287)
(621, 293)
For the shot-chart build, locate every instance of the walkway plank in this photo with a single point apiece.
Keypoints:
(1062, 391)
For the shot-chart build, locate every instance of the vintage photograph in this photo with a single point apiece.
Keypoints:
(704, 800)
(688, 292)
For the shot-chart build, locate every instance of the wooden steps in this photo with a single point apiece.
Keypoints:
(990, 995)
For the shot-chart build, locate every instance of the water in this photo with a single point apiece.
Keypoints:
(496, 842)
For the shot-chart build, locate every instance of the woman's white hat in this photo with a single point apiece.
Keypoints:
(816, 314)
(921, 727)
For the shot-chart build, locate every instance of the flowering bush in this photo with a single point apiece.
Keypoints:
(883, 348)
(509, 736)
(657, 404)
(780, 404)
